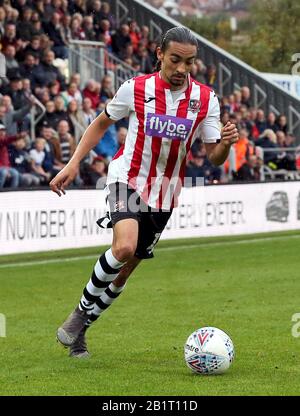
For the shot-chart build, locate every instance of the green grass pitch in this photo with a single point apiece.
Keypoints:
(248, 286)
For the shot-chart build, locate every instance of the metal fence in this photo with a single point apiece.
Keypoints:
(93, 61)
(232, 72)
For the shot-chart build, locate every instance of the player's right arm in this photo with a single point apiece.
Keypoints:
(119, 107)
(89, 140)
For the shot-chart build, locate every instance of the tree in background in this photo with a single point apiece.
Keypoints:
(267, 39)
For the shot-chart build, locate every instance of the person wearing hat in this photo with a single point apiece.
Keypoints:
(8, 175)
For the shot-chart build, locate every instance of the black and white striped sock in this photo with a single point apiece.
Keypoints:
(104, 301)
(105, 271)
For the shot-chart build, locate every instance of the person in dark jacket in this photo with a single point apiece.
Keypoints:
(20, 160)
(54, 30)
(48, 72)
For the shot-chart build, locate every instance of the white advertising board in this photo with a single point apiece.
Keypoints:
(41, 221)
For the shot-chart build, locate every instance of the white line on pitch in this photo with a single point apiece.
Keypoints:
(179, 247)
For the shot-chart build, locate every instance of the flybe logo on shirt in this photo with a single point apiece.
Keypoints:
(158, 125)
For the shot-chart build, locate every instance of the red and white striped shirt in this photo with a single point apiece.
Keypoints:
(160, 134)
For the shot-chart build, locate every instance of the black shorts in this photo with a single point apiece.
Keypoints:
(125, 203)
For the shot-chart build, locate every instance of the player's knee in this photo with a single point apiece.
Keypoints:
(124, 251)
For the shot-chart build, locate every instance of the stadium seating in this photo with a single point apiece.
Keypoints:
(34, 38)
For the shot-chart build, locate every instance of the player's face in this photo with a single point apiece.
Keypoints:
(177, 62)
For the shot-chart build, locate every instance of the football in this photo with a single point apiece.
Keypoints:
(209, 350)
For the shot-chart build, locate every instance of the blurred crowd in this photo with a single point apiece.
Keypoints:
(34, 38)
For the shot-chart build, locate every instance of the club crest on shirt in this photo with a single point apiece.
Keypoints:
(194, 106)
(119, 205)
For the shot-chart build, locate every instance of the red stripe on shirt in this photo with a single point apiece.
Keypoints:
(119, 152)
(160, 108)
(204, 99)
(139, 104)
(174, 149)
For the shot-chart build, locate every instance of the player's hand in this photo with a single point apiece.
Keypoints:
(63, 179)
(229, 134)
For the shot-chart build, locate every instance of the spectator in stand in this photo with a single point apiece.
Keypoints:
(285, 159)
(43, 95)
(16, 92)
(105, 14)
(120, 39)
(65, 28)
(107, 88)
(199, 71)
(87, 111)
(26, 87)
(48, 72)
(145, 36)
(61, 113)
(104, 34)
(21, 161)
(77, 6)
(121, 136)
(37, 28)
(29, 70)
(37, 155)
(66, 143)
(199, 170)
(95, 174)
(271, 122)
(34, 48)
(260, 123)
(18, 4)
(77, 120)
(72, 93)
(45, 44)
(12, 15)
(243, 149)
(268, 140)
(108, 145)
(128, 53)
(77, 32)
(246, 96)
(195, 170)
(250, 170)
(2, 21)
(232, 104)
(282, 123)
(143, 60)
(49, 116)
(135, 35)
(10, 36)
(237, 100)
(10, 59)
(24, 28)
(152, 46)
(60, 7)
(12, 118)
(211, 77)
(55, 32)
(75, 77)
(50, 137)
(88, 28)
(92, 91)
(53, 89)
(94, 9)
(8, 175)
(245, 118)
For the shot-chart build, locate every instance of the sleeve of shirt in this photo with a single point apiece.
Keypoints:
(122, 103)
(210, 128)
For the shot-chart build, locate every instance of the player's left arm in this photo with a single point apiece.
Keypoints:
(217, 141)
